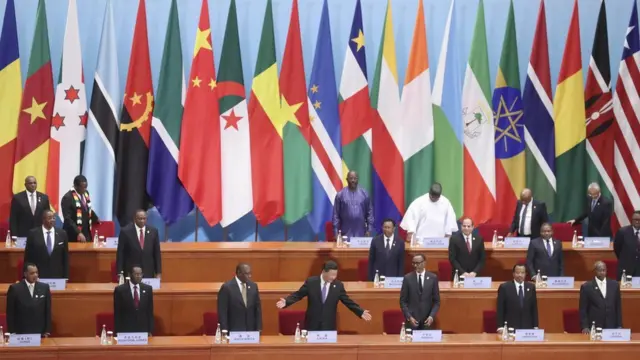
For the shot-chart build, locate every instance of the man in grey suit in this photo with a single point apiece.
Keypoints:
(239, 307)
(420, 296)
(545, 254)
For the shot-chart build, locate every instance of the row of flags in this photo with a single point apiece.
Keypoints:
(286, 151)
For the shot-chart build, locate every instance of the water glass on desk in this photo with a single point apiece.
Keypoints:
(303, 335)
(110, 340)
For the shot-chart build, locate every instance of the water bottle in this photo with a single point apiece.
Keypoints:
(623, 279)
(339, 239)
(96, 240)
(103, 335)
(505, 332)
(218, 335)
(574, 240)
(538, 279)
(297, 338)
(592, 333)
(414, 241)
(456, 280)
(121, 278)
(1, 336)
(7, 240)
(403, 334)
(494, 240)
(376, 280)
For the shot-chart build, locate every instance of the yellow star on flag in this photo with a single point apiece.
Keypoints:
(359, 40)
(288, 112)
(314, 89)
(317, 104)
(202, 41)
(196, 82)
(212, 84)
(135, 99)
(36, 110)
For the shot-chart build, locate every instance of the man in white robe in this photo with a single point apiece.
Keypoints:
(430, 216)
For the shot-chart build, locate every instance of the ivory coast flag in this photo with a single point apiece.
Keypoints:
(477, 116)
(570, 130)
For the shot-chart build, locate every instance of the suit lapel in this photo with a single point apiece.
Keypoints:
(135, 237)
(597, 289)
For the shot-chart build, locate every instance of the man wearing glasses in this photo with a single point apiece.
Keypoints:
(420, 296)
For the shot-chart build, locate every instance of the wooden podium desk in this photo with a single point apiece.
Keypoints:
(279, 261)
(179, 307)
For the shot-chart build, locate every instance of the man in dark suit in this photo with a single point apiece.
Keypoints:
(48, 248)
(419, 296)
(529, 216)
(466, 251)
(29, 305)
(139, 243)
(77, 213)
(26, 208)
(239, 307)
(517, 302)
(545, 254)
(133, 305)
(323, 293)
(627, 247)
(599, 211)
(386, 253)
(600, 301)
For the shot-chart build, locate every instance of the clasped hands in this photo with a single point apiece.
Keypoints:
(427, 322)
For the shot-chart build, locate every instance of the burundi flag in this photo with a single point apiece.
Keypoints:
(164, 187)
(237, 195)
(34, 123)
(570, 129)
(10, 93)
(509, 128)
(69, 121)
(538, 119)
(479, 148)
(355, 106)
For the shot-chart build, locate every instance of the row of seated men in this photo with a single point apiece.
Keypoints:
(240, 308)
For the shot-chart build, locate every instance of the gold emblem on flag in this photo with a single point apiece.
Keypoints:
(137, 122)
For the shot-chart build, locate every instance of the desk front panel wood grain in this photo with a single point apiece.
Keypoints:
(46, 350)
(278, 261)
(572, 346)
(179, 307)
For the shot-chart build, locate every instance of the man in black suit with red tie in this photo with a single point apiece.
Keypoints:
(420, 296)
(627, 247)
(139, 243)
(598, 211)
(323, 293)
(48, 248)
(600, 301)
(29, 305)
(77, 212)
(386, 253)
(239, 307)
(466, 251)
(517, 302)
(26, 208)
(133, 305)
(529, 216)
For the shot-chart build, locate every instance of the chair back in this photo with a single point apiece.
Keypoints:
(209, 323)
(288, 319)
(444, 271)
(392, 321)
(104, 318)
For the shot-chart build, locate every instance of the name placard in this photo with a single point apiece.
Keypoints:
(529, 335)
(111, 243)
(55, 284)
(244, 337)
(24, 340)
(435, 243)
(140, 338)
(393, 282)
(596, 242)
(360, 242)
(427, 336)
(635, 282)
(560, 282)
(153, 282)
(616, 334)
(516, 242)
(319, 337)
(477, 283)
(21, 242)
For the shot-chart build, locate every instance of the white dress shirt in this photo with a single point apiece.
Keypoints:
(30, 286)
(52, 232)
(468, 239)
(423, 273)
(32, 198)
(427, 219)
(527, 218)
(390, 241)
(603, 286)
(240, 284)
(131, 285)
(544, 243)
(143, 231)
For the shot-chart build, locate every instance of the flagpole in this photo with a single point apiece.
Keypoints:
(166, 232)
(286, 232)
(197, 215)
(256, 232)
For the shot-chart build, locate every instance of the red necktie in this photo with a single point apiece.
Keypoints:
(141, 238)
(136, 298)
(468, 241)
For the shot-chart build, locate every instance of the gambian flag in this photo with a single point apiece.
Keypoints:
(570, 130)
(34, 124)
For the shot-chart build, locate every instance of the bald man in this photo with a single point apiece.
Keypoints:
(598, 212)
(529, 216)
(600, 301)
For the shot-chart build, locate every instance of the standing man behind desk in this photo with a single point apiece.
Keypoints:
(420, 296)
(599, 210)
(466, 251)
(239, 307)
(352, 209)
(600, 301)
(48, 248)
(386, 254)
(139, 243)
(430, 216)
(76, 211)
(545, 254)
(529, 216)
(627, 247)
(133, 305)
(26, 208)
(29, 305)
(517, 302)
(323, 293)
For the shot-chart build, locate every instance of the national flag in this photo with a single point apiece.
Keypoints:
(135, 127)
(388, 173)
(10, 95)
(69, 121)
(325, 122)
(266, 129)
(166, 190)
(509, 128)
(237, 195)
(199, 165)
(298, 198)
(34, 123)
(479, 148)
(538, 119)
(446, 97)
(417, 119)
(570, 129)
(102, 129)
(355, 106)
(626, 179)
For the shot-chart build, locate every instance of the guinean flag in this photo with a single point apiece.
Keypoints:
(135, 128)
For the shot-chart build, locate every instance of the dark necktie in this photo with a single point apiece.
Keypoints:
(136, 297)
(388, 246)
(49, 243)
(324, 292)
(522, 218)
(548, 247)
(141, 239)
(638, 237)
(521, 295)
(420, 283)
(593, 204)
